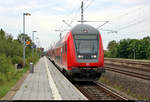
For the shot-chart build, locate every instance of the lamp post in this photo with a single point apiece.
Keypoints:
(37, 38)
(24, 14)
(33, 43)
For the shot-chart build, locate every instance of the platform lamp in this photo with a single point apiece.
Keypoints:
(24, 14)
(33, 43)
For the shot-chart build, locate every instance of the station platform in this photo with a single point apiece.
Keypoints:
(47, 83)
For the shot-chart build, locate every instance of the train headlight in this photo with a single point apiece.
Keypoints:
(93, 56)
(80, 56)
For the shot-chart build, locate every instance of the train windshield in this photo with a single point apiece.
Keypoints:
(86, 44)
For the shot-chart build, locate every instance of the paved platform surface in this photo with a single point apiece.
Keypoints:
(47, 83)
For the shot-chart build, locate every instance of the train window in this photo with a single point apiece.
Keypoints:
(86, 44)
(66, 47)
(63, 48)
(77, 37)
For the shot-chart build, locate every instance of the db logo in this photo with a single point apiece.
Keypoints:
(87, 64)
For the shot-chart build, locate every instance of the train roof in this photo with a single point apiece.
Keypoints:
(79, 29)
(84, 29)
(59, 42)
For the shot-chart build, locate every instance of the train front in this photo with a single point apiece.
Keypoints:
(89, 58)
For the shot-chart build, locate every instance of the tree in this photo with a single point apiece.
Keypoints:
(122, 50)
(27, 38)
(112, 44)
(22, 36)
(146, 43)
(130, 48)
(2, 34)
(112, 47)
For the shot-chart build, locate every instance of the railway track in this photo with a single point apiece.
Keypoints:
(129, 61)
(138, 69)
(129, 73)
(98, 91)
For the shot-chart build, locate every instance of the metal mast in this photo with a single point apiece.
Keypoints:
(82, 17)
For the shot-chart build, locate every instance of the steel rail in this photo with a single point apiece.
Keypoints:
(145, 63)
(129, 67)
(98, 91)
(109, 91)
(129, 73)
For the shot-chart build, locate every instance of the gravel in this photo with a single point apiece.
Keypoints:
(137, 87)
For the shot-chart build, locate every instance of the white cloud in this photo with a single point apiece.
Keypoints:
(47, 15)
(58, 9)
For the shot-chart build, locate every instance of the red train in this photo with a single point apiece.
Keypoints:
(79, 53)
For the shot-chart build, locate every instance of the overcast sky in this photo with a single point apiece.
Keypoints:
(130, 18)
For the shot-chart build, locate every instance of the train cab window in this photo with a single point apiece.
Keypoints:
(86, 46)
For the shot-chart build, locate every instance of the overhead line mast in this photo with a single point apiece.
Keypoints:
(82, 16)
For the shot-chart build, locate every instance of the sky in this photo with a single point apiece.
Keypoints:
(129, 18)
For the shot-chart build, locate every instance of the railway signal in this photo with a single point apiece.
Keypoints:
(27, 42)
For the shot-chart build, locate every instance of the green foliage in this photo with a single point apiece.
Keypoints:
(14, 48)
(11, 52)
(112, 44)
(112, 47)
(5, 86)
(16, 60)
(148, 53)
(2, 34)
(21, 38)
(129, 48)
(6, 66)
(106, 53)
(123, 48)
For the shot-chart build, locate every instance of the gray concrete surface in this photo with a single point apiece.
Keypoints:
(47, 83)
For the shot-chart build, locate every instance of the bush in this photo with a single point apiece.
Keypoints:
(29, 59)
(6, 67)
(16, 60)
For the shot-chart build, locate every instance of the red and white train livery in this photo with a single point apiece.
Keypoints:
(80, 53)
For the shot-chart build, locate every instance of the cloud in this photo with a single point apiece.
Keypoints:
(47, 15)
(57, 9)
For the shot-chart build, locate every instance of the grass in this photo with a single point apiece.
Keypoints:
(6, 85)
(119, 87)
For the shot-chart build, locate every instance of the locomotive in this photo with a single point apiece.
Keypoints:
(79, 54)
